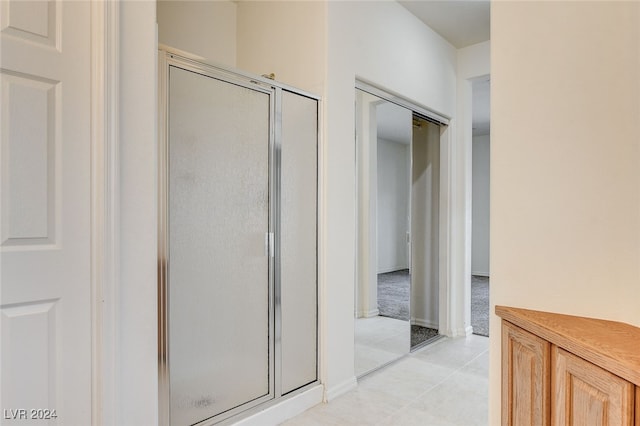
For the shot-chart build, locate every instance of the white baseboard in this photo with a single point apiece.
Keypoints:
(285, 410)
(458, 332)
(368, 314)
(424, 323)
(340, 389)
(481, 274)
(393, 269)
(447, 333)
(372, 313)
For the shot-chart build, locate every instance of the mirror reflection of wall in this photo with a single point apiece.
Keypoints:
(425, 221)
(383, 290)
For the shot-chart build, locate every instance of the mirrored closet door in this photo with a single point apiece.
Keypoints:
(382, 327)
(398, 178)
(425, 227)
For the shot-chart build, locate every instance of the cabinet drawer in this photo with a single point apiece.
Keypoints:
(585, 394)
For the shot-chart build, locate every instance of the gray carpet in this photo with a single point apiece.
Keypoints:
(420, 335)
(393, 294)
(393, 302)
(480, 305)
(393, 299)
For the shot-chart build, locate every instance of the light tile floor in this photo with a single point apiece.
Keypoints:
(443, 384)
(378, 341)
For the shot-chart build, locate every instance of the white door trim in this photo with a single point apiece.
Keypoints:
(105, 195)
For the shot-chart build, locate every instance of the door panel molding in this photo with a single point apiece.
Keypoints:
(33, 21)
(31, 179)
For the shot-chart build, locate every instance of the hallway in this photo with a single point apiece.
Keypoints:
(444, 384)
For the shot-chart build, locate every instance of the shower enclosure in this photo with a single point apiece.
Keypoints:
(238, 241)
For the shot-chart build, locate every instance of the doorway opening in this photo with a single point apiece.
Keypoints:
(481, 147)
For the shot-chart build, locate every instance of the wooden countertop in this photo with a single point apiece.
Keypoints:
(614, 346)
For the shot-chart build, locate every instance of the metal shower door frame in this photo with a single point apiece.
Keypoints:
(166, 61)
(168, 58)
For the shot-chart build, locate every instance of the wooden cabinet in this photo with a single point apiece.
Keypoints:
(565, 370)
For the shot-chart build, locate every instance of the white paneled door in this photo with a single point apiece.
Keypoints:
(45, 292)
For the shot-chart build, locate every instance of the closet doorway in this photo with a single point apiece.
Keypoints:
(398, 250)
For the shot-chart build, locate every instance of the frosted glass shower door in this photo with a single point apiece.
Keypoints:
(298, 244)
(220, 320)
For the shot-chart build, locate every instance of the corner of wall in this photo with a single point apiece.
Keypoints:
(331, 393)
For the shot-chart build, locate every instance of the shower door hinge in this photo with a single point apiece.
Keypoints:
(269, 250)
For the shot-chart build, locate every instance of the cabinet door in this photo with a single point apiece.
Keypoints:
(525, 377)
(588, 395)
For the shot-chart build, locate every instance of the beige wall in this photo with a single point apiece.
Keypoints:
(286, 38)
(565, 162)
(203, 28)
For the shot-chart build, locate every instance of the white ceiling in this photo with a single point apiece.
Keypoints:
(461, 23)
